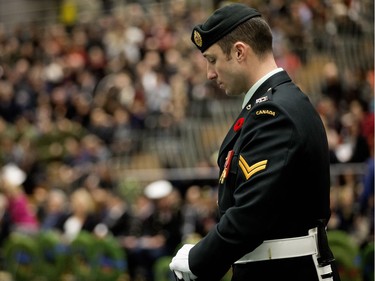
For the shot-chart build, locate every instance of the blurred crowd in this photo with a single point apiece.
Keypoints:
(76, 93)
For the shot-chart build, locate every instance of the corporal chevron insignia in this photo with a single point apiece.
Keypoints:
(247, 170)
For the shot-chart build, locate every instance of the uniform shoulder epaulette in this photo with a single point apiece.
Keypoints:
(261, 109)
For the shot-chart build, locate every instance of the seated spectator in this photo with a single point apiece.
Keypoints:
(81, 215)
(353, 147)
(365, 117)
(5, 222)
(55, 210)
(199, 213)
(117, 216)
(23, 217)
(155, 230)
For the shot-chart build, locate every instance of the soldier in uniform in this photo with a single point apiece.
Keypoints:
(274, 165)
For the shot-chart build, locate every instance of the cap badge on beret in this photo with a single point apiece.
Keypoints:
(220, 23)
(197, 38)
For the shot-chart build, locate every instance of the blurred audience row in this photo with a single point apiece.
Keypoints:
(159, 216)
(149, 227)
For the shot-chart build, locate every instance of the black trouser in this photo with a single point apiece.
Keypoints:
(291, 269)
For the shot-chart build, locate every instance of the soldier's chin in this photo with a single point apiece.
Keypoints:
(227, 92)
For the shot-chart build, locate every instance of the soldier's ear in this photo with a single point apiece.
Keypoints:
(239, 50)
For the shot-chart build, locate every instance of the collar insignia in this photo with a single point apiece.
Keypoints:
(262, 99)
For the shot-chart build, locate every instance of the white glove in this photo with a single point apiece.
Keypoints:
(180, 264)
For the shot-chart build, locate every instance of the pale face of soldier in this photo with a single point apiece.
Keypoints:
(226, 71)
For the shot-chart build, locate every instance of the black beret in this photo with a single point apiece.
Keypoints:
(220, 23)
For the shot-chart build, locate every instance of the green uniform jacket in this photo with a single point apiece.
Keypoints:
(277, 180)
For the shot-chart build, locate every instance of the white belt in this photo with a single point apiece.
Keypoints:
(283, 248)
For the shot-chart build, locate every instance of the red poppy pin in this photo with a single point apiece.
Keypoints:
(239, 124)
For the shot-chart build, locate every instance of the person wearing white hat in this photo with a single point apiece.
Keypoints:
(23, 218)
(157, 228)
